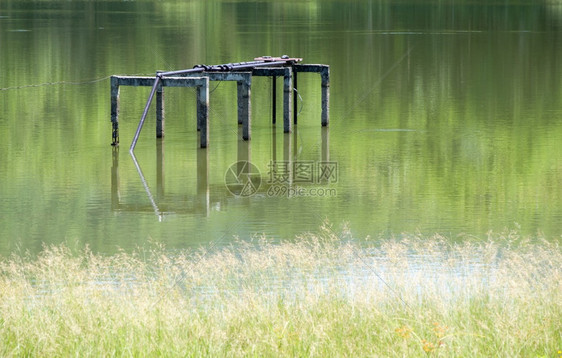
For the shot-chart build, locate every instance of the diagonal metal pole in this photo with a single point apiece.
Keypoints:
(141, 123)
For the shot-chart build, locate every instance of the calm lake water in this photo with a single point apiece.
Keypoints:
(445, 117)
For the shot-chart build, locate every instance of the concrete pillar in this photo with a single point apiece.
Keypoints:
(240, 101)
(203, 111)
(287, 96)
(295, 97)
(273, 99)
(324, 71)
(325, 75)
(244, 106)
(159, 111)
(115, 110)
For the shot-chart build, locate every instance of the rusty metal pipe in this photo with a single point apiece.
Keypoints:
(141, 123)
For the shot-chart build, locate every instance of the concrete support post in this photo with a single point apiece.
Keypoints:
(159, 111)
(243, 80)
(240, 101)
(115, 110)
(273, 99)
(325, 75)
(287, 96)
(324, 71)
(203, 111)
(274, 72)
(295, 97)
(244, 106)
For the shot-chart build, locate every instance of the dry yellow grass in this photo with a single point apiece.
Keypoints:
(322, 294)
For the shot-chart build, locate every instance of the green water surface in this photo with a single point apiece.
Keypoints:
(445, 116)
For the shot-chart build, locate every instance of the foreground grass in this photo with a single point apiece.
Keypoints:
(317, 295)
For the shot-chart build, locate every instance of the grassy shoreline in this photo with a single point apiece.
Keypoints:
(317, 295)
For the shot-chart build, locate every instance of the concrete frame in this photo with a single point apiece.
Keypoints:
(202, 87)
(324, 71)
(201, 79)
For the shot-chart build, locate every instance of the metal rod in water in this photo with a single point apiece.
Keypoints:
(147, 189)
(141, 123)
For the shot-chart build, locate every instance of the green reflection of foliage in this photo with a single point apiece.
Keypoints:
(479, 84)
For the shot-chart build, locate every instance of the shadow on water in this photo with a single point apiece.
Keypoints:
(207, 195)
(199, 204)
